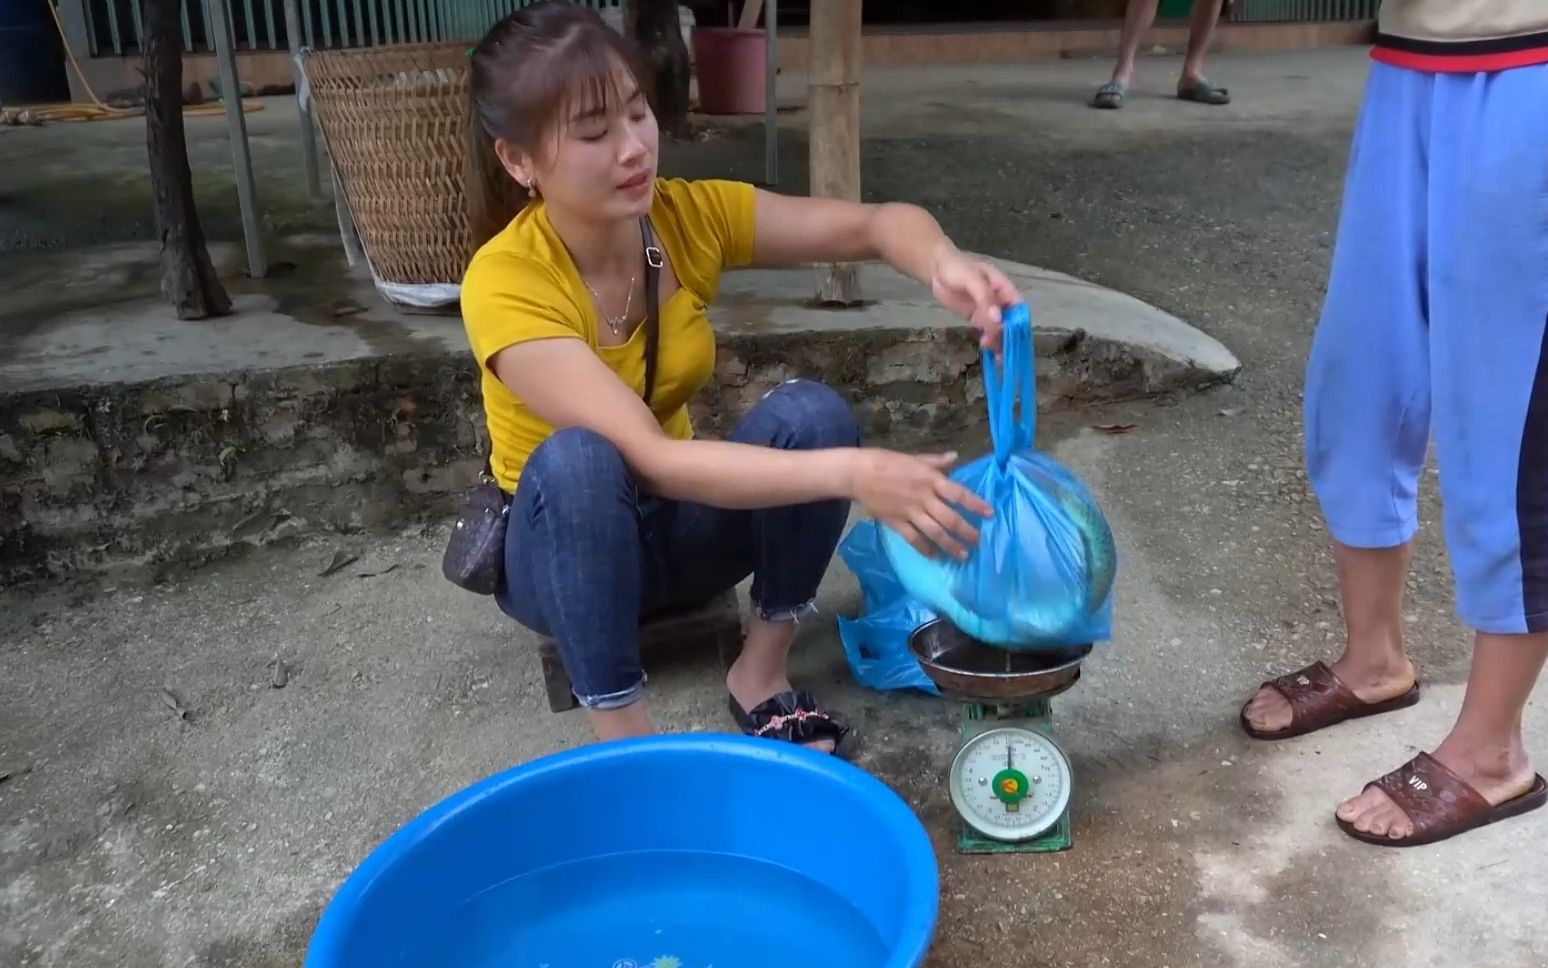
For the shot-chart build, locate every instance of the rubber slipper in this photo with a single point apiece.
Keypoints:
(1319, 699)
(1109, 96)
(1204, 93)
(795, 717)
(1441, 804)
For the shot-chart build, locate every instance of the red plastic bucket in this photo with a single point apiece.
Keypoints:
(730, 65)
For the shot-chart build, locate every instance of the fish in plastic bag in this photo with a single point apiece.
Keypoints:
(1042, 573)
(876, 643)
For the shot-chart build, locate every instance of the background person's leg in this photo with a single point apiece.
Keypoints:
(574, 571)
(1201, 32)
(1489, 347)
(1137, 21)
(1367, 402)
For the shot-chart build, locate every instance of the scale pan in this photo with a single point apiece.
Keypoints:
(966, 668)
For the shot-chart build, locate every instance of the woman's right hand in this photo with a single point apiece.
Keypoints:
(913, 496)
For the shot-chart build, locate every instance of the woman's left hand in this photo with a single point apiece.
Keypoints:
(974, 290)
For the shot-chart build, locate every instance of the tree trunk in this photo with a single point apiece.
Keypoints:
(834, 143)
(655, 27)
(187, 277)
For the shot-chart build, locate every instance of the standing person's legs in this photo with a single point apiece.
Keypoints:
(1367, 414)
(1488, 295)
(1137, 20)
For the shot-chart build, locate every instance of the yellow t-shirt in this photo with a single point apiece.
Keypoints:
(522, 285)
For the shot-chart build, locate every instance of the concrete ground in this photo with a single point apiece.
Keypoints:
(132, 836)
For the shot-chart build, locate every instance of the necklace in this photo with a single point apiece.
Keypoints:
(614, 323)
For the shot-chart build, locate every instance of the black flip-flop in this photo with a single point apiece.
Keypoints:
(794, 717)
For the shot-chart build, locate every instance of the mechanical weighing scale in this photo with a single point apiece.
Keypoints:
(1010, 782)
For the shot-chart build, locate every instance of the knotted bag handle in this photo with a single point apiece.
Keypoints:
(1010, 380)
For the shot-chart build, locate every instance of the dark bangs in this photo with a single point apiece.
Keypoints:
(535, 72)
(590, 71)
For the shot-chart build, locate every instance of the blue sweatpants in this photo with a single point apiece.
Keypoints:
(1434, 324)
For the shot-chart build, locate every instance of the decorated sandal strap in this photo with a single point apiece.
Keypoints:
(798, 717)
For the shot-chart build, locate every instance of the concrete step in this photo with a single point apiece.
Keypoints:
(131, 439)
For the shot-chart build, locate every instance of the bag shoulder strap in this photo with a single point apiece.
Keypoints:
(654, 260)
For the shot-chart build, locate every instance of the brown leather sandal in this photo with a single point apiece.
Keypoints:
(1319, 699)
(1440, 804)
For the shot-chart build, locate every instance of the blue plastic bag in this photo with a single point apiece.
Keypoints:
(876, 643)
(1042, 573)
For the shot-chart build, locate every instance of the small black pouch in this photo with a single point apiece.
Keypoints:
(475, 553)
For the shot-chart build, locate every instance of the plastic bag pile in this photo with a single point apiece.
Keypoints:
(1042, 573)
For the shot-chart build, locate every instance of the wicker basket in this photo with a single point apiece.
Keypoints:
(395, 123)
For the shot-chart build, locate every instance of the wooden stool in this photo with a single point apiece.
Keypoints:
(715, 624)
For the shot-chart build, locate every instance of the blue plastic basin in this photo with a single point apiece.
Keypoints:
(681, 851)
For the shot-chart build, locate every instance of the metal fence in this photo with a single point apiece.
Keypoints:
(116, 27)
(1303, 11)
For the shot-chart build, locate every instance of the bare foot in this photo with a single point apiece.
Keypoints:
(750, 687)
(1497, 775)
(1371, 681)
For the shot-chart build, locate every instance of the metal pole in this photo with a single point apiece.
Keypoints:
(349, 233)
(771, 93)
(236, 128)
(294, 38)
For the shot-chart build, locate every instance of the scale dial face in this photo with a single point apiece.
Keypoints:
(1010, 784)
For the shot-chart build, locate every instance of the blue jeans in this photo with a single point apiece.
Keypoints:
(587, 553)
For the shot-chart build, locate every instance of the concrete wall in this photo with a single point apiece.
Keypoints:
(104, 477)
(138, 476)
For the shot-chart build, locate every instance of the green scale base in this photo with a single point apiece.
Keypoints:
(1035, 714)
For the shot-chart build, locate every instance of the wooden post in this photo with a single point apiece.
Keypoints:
(187, 277)
(835, 126)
